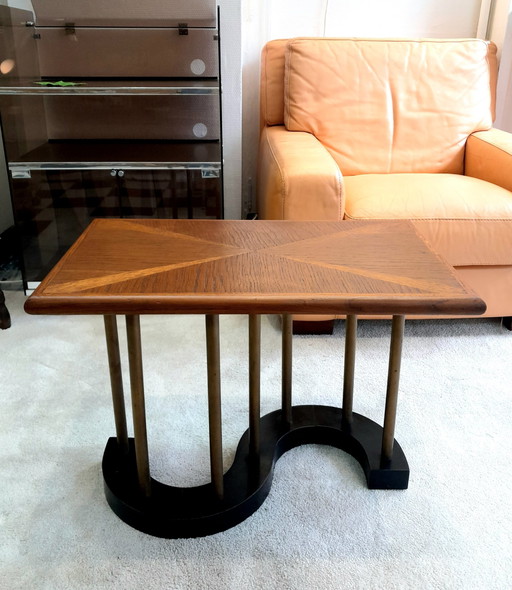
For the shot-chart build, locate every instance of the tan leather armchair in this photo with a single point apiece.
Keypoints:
(385, 129)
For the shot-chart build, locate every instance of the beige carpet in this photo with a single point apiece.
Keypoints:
(320, 528)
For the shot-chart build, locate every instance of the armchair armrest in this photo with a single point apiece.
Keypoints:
(489, 157)
(297, 178)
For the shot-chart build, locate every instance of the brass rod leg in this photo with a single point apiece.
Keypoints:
(287, 368)
(254, 383)
(138, 405)
(116, 381)
(214, 403)
(395, 356)
(350, 362)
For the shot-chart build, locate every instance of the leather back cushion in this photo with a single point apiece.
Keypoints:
(272, 82)
(382, 106)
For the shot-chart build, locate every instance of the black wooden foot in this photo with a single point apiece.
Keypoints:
(173, 512)
(507, 322)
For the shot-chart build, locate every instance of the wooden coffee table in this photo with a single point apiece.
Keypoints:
(134, 267)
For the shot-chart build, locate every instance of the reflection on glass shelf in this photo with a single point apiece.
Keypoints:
(53, 207)
(107, 155)
(105, 87)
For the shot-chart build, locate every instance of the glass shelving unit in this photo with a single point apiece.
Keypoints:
(108, 118)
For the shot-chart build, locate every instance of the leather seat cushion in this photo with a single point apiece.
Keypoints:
(466, 220)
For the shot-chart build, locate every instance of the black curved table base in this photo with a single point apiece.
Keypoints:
(173, 512)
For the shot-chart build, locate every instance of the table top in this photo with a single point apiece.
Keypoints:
(135, 266)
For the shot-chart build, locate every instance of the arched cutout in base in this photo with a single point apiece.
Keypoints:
(173, 512)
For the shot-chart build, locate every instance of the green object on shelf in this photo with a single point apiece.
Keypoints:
(60, 83)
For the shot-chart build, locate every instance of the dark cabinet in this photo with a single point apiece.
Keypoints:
(107, 115)
(54, 206)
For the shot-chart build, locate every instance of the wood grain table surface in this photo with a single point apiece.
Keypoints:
(135, 266)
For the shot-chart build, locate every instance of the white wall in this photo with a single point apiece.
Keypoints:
(255, 32)
(498, 22)
(374, 18)
(231, 72)
(504, 90)
(23, 4)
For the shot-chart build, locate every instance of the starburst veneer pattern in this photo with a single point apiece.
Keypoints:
(203, 266)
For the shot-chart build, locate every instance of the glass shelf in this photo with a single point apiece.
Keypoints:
(93, 155)
(197, 13)
(114, 87)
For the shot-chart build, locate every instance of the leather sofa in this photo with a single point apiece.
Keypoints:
(388, 129)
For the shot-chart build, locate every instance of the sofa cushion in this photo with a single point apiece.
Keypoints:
(387, 106)
(466, 220)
